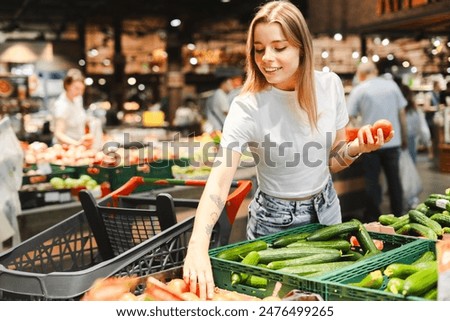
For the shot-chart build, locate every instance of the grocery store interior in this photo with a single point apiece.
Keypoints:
(150, 68)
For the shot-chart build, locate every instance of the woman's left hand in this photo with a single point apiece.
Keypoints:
(368, 142)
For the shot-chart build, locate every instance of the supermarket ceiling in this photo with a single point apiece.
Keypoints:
(52, 15)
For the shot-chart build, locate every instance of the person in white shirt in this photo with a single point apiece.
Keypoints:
(293, 120)
(69, 115)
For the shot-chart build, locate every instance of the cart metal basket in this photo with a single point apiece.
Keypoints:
(62, 262)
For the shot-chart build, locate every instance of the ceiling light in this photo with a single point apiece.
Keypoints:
(131, 81)
(338, 36)
(175, 23)
(88, 81)
(375, 58)
(364, 59)
(355, 54)
(385, 42)
(325, 54)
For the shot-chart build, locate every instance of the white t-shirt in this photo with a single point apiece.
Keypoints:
(73, 115)
(292, 158)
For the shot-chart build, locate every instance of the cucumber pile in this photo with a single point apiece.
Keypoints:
(307, 254)
(418, 278)
(430, 219)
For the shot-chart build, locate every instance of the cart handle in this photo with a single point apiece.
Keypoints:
(232, 205)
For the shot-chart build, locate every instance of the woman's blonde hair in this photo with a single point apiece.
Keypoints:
(294, 27)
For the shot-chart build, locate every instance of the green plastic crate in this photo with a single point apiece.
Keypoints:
(222, 279)
(224, 268)
(337, 283)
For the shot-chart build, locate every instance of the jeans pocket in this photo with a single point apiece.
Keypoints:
(264, 221)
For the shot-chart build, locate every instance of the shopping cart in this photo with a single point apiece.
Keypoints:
(124, 219)
(62, 262)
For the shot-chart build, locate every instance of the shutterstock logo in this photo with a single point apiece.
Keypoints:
(267, 152)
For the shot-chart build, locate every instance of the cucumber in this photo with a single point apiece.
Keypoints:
(400, 270)
(317, 269)
(251, 259)
(404, 230)
(438, 203)
(423, 230)
(256, 282)
(333, 231)
(422, 207)
(420, 282)
(439, 196)
(365, 240)
(311, 259)
(431, 295)
(373, 280)
(236, 253)
(288, 239)
(442, 219)
(342, 245)
(402, 220)
(352, 255)
(425, 257)
(387, 219)
(419, 217)
(269, 255)
(395, 285)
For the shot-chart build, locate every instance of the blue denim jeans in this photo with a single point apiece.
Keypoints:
(268, 214)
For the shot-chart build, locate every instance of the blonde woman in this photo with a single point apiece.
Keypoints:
(293, 120)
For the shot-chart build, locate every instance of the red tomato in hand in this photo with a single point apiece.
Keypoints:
(385, 126)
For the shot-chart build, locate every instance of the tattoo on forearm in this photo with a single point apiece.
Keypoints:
(216, 200)
(209, 227)
(214, 214)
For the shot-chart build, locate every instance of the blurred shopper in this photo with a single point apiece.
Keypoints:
(430, 110)
(445, 95)
(218, 104)
(70, 118)
(417, 129)
(293, 119)
(375, 98)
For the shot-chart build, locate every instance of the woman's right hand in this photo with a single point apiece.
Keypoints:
(197, 272)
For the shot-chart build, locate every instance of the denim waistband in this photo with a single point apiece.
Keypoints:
(261, 197)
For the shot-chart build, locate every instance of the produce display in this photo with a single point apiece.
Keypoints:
(309, 254)
(430, 219)
(417, 279)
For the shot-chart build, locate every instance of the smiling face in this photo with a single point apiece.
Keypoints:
(276, 58)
